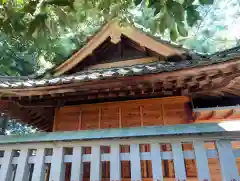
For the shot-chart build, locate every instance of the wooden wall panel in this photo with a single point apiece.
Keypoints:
(65, 125)
(131, 116)
(175, 113)
(67, 120)
(152, 115)
(90, 118)
(110, 117)
(134, 113)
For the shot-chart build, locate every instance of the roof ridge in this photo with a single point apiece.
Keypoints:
(97, 74)
(223, 52)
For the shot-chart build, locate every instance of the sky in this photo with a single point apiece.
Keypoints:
(218, 30)
(223, 20)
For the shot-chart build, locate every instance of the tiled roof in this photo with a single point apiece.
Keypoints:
(99, 74)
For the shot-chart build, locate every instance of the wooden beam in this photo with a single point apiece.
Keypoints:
(124, 63)
(80, 99)
(229, 128)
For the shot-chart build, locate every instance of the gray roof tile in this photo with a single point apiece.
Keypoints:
(98, 74)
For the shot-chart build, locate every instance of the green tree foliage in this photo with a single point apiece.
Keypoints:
(34, 18)
(18, 56)
(219, 30)
(35, 32)
(16, 128)
(10, 126)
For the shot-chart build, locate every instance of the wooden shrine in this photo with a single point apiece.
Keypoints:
(123, 78)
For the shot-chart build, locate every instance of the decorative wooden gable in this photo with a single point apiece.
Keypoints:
(116, 46)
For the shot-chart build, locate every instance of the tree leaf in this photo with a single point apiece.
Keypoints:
(173, 34)
(162, 27)
(187, 3)
(3, 2)
(192, 15)
(30, 7)
(154, 27)
(179, 1)
(176, 9)
(156, 5)
(165, 22)
(104, 5)
(37, 22)
(7, 28)
(137, 2)
(181, 29)
(63, 19)
(151, 3)
(61, 3)
(158, 8)
(169, 20)
(206, 2)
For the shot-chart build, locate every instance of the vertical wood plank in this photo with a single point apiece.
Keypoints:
(162, 110)
(5, 171)
(144, 162)
(141, 115)
(55, 121)
(156, 162)
(201, 161)
(115, 163)
(80, 120)
(135, 163)
(169, 167)
(57, 167)
(22, 166)
(99, 117)
(179, 166)
(77, 165)
(95, 170)
(38, 172)
(229, 170)
(120, 117)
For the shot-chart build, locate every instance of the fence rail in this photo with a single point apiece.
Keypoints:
(28, 161)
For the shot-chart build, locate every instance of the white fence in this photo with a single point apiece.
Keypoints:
(27, 161)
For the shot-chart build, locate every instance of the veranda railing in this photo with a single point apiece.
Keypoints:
(30, 154)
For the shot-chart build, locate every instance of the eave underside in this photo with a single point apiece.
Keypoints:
(37, 116)
(35, 105)
(221, 77)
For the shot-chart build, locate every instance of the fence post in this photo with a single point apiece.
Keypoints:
(135, 163)
(227, 160)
